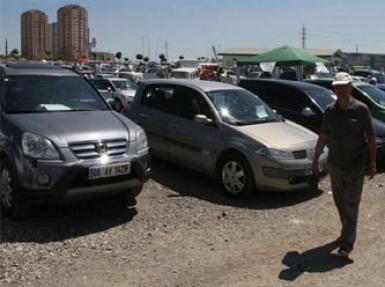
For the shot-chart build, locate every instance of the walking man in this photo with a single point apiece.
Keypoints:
(347, 128)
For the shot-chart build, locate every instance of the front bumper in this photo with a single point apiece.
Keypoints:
(70, 179)
(286, 175)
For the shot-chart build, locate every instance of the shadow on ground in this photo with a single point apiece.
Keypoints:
(49, 223)
(316, 260)
(192, 184)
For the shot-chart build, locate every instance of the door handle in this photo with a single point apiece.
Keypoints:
(173, 125)
(143, 116)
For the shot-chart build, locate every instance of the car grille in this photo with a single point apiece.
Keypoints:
(92, 150)
(299, 154)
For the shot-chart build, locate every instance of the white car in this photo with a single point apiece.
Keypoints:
(116, 88)
(185, 73)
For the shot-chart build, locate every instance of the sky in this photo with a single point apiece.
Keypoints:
(191, 27)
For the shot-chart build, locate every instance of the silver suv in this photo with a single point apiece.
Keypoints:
(59, 139)
(227, 132)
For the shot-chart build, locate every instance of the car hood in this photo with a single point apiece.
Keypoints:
(283, 135)
(127, 93)
(68, 127)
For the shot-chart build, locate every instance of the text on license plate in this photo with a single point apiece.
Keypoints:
(109, 171)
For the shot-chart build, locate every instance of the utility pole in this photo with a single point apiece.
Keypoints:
(6, 49)
(166, 49)
(304, 37)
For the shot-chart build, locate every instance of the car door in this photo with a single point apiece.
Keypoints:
(193, 144)
(153, 114)
(292, 103)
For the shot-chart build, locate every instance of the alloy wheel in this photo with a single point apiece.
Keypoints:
(233, 177)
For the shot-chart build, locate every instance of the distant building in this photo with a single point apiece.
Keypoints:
(53, 40)
(34, 31)
(366, 59)
(73, 32)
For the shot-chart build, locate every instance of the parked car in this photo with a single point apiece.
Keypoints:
(367, 74)
(59, 139)
(304, 104)
(116, 88)
(226, 132)
(185, 73)
(370, 95)
(104, 76)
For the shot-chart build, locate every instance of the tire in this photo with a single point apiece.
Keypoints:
(236, 176)
(129, 198)
(13, 203)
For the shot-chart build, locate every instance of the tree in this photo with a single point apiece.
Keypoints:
(139, 57)
(181, 57)
(48, 54)
(162, 58)
(126, 59)
(14, 53)
(118, 55)
(146, 59)
(93, 56)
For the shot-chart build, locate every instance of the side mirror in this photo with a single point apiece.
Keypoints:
(203, 119)
(307, 112)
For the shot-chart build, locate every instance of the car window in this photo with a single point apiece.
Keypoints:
(159, 97)
(323, 97)
(241, 107)
(375, 93)
(188, 103)
(29, 94)
(101, 84)
(361, 97)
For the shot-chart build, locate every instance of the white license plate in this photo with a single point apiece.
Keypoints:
(109, 171)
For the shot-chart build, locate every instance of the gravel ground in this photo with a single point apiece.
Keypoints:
(185, 232)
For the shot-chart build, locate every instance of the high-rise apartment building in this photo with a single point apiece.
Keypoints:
(34, 30)
(53, 40)
(73, 32)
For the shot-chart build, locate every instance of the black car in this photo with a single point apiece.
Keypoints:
(304, 104)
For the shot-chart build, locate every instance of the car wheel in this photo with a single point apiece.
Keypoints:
(13, 204)
(236, 176)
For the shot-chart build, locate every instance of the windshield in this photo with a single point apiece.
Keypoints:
(124, 85)
(323, 97)
(50, 94)
(375, 93)
(241, 107)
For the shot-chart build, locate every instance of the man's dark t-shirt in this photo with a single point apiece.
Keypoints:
(347, 131)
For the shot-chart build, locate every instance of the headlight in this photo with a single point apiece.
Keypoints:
(141, 142)
(37, 147)
(274, 153)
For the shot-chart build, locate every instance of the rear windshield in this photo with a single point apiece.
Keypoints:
(38, 94)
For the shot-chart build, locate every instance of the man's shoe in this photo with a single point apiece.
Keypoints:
(343, 252)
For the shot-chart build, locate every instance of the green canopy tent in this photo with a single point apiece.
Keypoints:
(284, 56)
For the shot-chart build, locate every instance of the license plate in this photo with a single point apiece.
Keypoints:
(109, 171)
